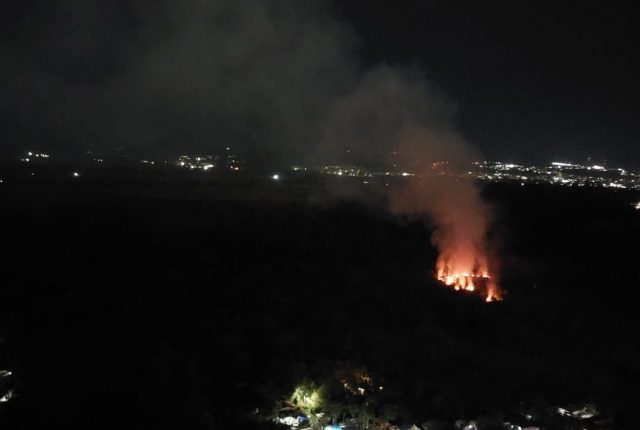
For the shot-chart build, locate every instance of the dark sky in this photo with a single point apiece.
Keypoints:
(531, 80)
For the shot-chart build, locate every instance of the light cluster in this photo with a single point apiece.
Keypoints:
(556, 173)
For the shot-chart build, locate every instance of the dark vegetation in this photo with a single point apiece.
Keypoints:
(186, 305)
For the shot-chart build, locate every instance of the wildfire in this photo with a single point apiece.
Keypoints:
(476, 281)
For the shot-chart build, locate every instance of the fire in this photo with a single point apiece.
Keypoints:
(476, 280)
(460, 219)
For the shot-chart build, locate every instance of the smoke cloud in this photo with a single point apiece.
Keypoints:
(169, 77)
(397, 116)
(394, 114)
(280, 78)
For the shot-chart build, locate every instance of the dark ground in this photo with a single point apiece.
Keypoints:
(165, 300)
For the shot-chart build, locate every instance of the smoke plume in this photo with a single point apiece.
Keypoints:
(280, 78)
(170, 77)
(398, 116)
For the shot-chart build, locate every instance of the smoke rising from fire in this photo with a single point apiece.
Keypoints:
(397, 116)
(279, 78)
(461, 219)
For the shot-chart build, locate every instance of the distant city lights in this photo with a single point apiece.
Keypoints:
(226, 161)
(559, 173)
(31, 156)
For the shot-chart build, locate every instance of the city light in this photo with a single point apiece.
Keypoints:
(557, 173)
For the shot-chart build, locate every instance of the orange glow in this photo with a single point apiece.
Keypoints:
(476, 279)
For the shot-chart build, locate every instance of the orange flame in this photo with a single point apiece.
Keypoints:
(476, 280)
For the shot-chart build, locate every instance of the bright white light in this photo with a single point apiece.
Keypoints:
(76, 174)
(6, 397)
(637, 206)
(207, 166)
(596, 167)
(275, 177)
(290, 421)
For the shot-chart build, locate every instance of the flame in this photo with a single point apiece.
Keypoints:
(476, 280)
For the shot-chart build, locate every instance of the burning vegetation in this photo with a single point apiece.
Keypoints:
(477, 281)
(463, 262)
(460, 219)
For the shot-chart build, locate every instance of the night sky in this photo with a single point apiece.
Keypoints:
(529, 81)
